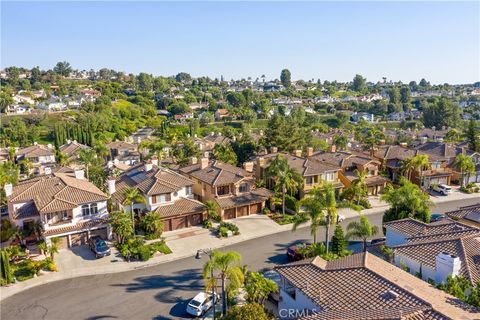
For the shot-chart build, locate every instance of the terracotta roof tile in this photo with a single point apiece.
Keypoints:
(180, 207)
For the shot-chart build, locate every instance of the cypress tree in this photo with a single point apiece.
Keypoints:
(6, 271)
(339, 244)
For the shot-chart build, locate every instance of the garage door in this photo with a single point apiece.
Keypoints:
(167, 225)
(242, 211)
(63, 244)
(100, 232)
(79, 239)
(229, 214)
(255, 208)
(195, 219)
(179, 223)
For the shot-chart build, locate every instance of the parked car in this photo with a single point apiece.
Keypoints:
(437, 217)
(377, 241)
(442, 188)
(99, 247)
(201, 303)
(293, 253)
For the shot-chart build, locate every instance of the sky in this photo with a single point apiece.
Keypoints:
(439, 41)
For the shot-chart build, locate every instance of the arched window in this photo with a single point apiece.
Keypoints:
(93, 208)
(85, 210)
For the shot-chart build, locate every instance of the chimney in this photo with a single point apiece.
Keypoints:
(274, 150)
(116, 161)
(333, 148)
(203, 163)
(193, 160)
(111, 185)
(79, 174)
(35, 143)
(154, 160)
(49, 146)
(403, 144)
(298, 153)
(69, 141)
(48, 171)
(212, 133)
(445, 265)
(148, 166)
(8, 189)
(248, 166)
(309, 151)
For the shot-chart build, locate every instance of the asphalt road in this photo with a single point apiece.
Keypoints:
(159, 292)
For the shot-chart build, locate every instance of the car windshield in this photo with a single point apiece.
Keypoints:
(101, 246)
(195, 303)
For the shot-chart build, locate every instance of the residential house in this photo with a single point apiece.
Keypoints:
(436, 250)
(19, 109)
(349, 162)
(71, 150)
(220, 114)
(140, 135)
(361, 286)
(66, 204)
(52, 104)
(314, 172)
(469, 215)
(124, 152)
(183, 117)
(357, 116)
(38, 155)
(209, 142)
(232, 188)
(166, 192)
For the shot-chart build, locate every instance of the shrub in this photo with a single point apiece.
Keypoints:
(266, 211)
(291, 203)
(143, 252)
(222, 232)
(230, 226)
(6, 230)
(207, 224)
(284, 219)
(25, 270)
(160, 246)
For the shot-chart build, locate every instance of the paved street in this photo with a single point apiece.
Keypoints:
(159, 292)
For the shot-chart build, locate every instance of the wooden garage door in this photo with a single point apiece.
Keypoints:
(178, 223)
(255, 208)
(79, 239)
(100, 232)
(229, 214)
(167, 225)
(242, 211)
(63, 244)
(195, 219)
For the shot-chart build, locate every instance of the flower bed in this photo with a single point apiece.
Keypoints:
(224, 228)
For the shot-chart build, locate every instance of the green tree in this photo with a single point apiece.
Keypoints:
(472, 136)
(249, 311)
(6, 270)
(420, 163)
(152, 224)
(87, 157)
(362, 230)
(258, 287)
(227, 267)
(359, 186)
(121, 225)
(339, 244)
(359, 84)
(225, 153)
(284, 177)
(53, 248)
(132, 196)
(6, 100)
(466, 166)
(405, 95)
(440, 113)
(63, 69)
(286, 78)
(211, 207)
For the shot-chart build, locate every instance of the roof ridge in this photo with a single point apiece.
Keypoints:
(33, 185)
(218, 176)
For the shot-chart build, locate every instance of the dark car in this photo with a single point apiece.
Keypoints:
(293, 253)
(99, 247)
(377, 241)
(437, 217)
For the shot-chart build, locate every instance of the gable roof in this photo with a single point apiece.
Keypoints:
(72, 148)
(217, 173)
(365, 286)
(35, 151)
(304, 166)
(415, 228)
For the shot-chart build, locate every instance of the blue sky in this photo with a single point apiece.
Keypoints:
(328, 40)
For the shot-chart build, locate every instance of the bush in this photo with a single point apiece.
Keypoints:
(222, 232)
(284, 219)
(143, 252)
(224, 227)
(25, 270)
(160, 246)
(207, 224)
(266, 211)
(6, 230)
(291, 203)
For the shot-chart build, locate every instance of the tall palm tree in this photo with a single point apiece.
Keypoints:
(211, 208)
(314, 206)
(285, 177)
(421, 163)
(227, 265)
(87, 158)
(361, 230)
(132, 196)
(331, 211)
(407, 167)
(359, 184)
(466, 166)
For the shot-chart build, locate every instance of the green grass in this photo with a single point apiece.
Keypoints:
(24, 270)
(161, 247)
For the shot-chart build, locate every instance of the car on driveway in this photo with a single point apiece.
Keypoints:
(201, 303)
(442, 189)
(437, 217)
(99, 247)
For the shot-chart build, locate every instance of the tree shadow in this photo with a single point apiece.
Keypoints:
(101, 317)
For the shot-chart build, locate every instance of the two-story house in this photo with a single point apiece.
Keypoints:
(166, 192)
(361, 286)
(124, 152)
(207, 143)
(71, 150)
(38, 155)
(314, 172)
(66, 204)
(232, 188)
(349, 162)
(435, 250)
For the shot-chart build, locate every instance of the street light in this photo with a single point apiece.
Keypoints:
(209, 252)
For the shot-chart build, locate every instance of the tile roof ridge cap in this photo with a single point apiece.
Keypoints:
(465, 258)
(33, 184)
(218, 176)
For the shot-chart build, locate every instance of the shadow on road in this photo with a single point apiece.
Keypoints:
(101, 317)
(84, 252)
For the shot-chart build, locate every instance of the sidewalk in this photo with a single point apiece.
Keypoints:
(184, 243)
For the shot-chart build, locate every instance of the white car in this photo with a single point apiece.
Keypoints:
(442, 188)
(200, 304)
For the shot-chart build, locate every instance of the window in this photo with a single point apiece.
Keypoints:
(89, 209)
(93, 208)
(243, 187)
(329, 176)
(308, 180)
(188, 190)
(161, 198)
(223, 190)
(436, 165)
(85, 210)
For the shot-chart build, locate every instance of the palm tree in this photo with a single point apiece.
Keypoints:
(285, 177)
(53, 248)
(211, 208)
(152, 224)
(87, 158)
(420, 163)
(407, 167)
(359, 184)
(132, 196)
(228, 267)
(331, 211)
(362, 230)
(466, 166)
(314, 211)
